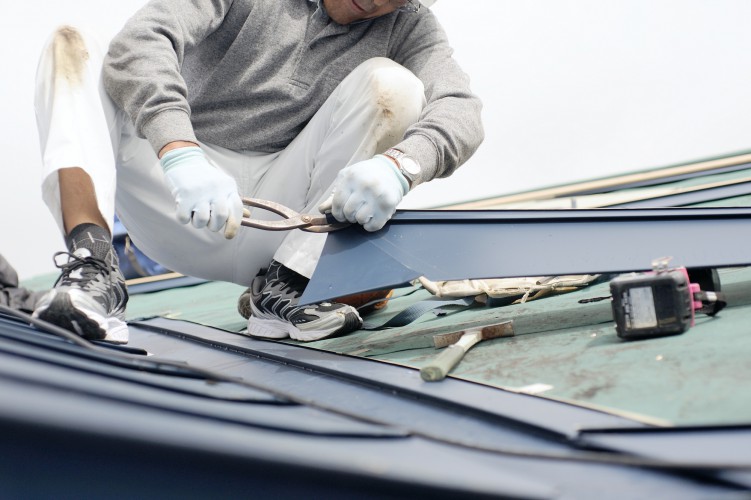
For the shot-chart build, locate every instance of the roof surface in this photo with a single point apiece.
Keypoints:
(564, 379)
(563, 349)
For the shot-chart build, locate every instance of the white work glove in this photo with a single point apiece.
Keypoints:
(367, 193)
(204, 195)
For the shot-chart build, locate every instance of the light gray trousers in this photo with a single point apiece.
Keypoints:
(79, 126)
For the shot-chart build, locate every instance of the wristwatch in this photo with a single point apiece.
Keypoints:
(407, 165)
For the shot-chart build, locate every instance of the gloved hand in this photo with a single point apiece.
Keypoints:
(367, 193)
(203, 194)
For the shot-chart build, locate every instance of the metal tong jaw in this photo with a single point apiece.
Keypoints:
(312, 223)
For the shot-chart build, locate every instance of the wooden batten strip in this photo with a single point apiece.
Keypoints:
(611, 182)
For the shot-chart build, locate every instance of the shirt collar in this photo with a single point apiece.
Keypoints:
(321, 8)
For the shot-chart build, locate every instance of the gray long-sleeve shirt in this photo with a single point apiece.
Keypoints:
(250, 74)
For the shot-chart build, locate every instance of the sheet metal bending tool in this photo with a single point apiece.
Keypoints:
(312, 223)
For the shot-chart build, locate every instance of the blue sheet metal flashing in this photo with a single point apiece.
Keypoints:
(396, 406)
(731, 444)
(61, 370)
(562, 419)
(474, 244)
(146, 452)
(155, 448)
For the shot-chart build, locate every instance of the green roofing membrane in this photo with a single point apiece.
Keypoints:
(562, 349)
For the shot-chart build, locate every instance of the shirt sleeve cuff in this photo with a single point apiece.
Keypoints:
(422, 149)
(168, 126)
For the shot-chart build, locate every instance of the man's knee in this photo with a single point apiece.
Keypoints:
(68, 53)
(388, 72)
(392, 84)
(392, 92)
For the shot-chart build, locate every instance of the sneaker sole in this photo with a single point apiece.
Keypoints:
(84, 323)
(268, 328)
(351, 323)
(277, 329)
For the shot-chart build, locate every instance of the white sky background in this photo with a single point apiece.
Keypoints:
(572, 89)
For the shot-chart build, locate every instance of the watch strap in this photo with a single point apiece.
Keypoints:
(398, 156)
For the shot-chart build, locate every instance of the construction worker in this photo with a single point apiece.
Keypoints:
(340, 105)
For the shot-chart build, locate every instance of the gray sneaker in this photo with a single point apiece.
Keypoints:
(89, 297)
(274, 312)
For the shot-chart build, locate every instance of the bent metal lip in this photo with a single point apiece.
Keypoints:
(477, 244)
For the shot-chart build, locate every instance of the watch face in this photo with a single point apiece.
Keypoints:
(409, 165)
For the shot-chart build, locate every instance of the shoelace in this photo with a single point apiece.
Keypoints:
(77, 262)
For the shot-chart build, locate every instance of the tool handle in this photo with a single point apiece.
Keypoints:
(442, 364)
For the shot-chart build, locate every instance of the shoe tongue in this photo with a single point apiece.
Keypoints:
(65, 258)
(82, 252)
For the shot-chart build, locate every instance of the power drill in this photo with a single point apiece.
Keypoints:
(663, 301)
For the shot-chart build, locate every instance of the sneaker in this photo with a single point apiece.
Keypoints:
(365, 303)
(275, 314)
(88, 298)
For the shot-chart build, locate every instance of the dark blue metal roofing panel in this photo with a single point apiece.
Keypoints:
(732, 443)
(97, 434)
(382, 381)
(455, 245)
